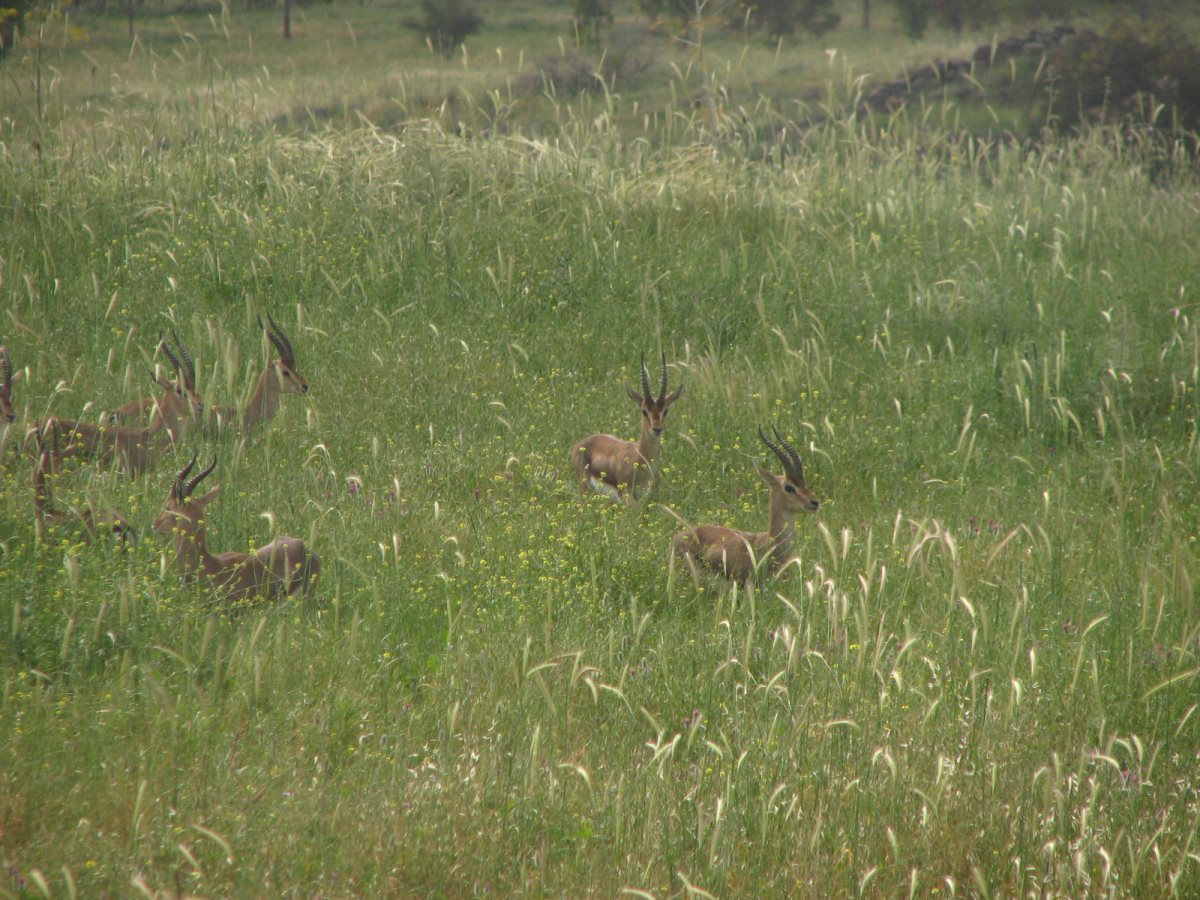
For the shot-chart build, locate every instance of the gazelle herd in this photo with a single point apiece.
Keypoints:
(282, 567)
(624, 470)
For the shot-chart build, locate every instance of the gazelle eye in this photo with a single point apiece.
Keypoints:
(791, 489)
(646, 413)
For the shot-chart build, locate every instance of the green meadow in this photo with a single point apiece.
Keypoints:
(979, 676)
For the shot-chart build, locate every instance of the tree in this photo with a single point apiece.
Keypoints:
(591, 16)
(783, 18)
(915, 15)
(447, 23)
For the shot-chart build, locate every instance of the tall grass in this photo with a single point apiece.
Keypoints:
(979, 677)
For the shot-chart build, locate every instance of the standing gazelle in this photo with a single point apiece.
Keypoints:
(279, 377)
(627, 469)
(738, 554)
(185, 382)
(280, 568)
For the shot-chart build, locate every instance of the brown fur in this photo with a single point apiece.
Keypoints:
(132, 449)
(144, 408)
(627, 469)
(94, 522)
(282, 567)
(739, 555)
(279, 377)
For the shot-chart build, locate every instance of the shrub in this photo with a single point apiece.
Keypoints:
(1110, 74)
(591, 16)
(783, 18)
(447, 23)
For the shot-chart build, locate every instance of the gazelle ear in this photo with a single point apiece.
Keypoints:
(673, 396)
(635, 396)
(209, 497)
(771, 480)
(18, 375)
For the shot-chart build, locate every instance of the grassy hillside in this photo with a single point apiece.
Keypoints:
(979, 676)
(527, 70)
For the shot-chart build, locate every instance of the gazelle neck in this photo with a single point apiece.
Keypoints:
(649, 444)
(171, 419)
(782, 528)
(191, 547)
(265, 402)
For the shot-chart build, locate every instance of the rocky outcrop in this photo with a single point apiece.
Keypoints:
(892, 94)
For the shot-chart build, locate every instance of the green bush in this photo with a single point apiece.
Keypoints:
(783, 18)
(1115, 73)
(447, 23)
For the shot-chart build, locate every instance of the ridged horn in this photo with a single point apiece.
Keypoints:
(162, 342)
(199, 477)
(189, 365)
(180, 479)
(786, 453)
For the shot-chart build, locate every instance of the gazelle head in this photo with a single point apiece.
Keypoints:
(290, 379)
(654, 408)
(7, 413)
(181, 505)
(789, 486)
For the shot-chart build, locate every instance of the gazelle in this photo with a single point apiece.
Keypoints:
(279, 377)
(738, 554)
(278, 569)
(133, 449)
(185, 380)
(94, 522)
(627, 469)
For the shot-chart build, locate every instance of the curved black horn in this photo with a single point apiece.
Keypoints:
(189, 365)
(199, 477)
(662, 385)
(274, 338)
(181, 477)
(795, 466)
(774, 447)
(282, 342)
(162, 342)
(645, 380)
(6, 366)
(790, 461)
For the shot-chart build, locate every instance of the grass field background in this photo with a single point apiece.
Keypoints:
(979, 677)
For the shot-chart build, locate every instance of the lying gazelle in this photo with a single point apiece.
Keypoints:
(95, 522)
(185, 381)
(131, 448)
(627, 469)
(279, 377)
(280, 568)
(739, 554)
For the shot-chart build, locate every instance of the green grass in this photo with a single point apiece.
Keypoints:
(979, 678)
